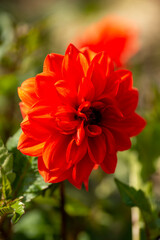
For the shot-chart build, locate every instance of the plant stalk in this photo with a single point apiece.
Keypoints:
(135, 214)
(63, 213)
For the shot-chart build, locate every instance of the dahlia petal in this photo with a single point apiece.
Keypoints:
(122, 140)
(110, 141)
(75, 153)
(113, 35)
(67, 127)
(126, 80)
(101, 66)
(81, 172)
(97, 148)
(86, 90)
(65, 119)
(41, 114)
(93, 130)
(26, 91)
(52, 176)
(128, 101)
(67, 93)
(45, 86)
(84, 107)
(74, 66)
(40, 109)
(131, 126)
(30, 146)
(111, 114)
(24, 109)
(35, 129)
(80, 134)
(134, 124)
(53, 63)
(65, 111)
(99, 105)
(54, 152)
(88, 54)
(109, 163)
(112, 86)
(83, 63)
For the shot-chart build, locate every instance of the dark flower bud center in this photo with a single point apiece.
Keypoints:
(92, 116)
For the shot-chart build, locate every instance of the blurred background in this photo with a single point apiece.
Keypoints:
(29, 30)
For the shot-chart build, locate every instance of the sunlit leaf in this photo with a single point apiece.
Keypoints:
(14, 208)
(5, 210)
(18, 208)
(6, 186)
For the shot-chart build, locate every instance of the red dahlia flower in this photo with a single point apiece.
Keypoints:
(112, 34)
(77, 114)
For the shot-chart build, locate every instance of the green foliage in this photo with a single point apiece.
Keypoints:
(6, 186)
(7, 176)
(97, 214)
(132, 197)
(28, 182)
(137, 198)
(19, 178)
(14, 208)
(18, 210)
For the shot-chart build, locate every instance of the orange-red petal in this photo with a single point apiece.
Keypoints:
(30, 146)
(81, 172)
(109, 163)
(97, 148)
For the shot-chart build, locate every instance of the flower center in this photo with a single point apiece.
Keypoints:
(91, 116)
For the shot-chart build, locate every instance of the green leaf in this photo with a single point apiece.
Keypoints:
(5, 210)
(28, 182)
(5, 157)
(132, 197)
(18, 211)
(6, 187)
(137, 198)
(15, 207)
(13, 141)
(33, 182)
(6, 171)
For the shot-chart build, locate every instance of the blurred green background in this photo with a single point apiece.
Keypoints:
(29, 30)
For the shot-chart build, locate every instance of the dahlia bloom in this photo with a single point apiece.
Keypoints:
(77, 114)
(112, 34)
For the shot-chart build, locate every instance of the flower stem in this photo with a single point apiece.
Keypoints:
(135, 224)
(63, 213)
(5, 228)
(134, 181)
